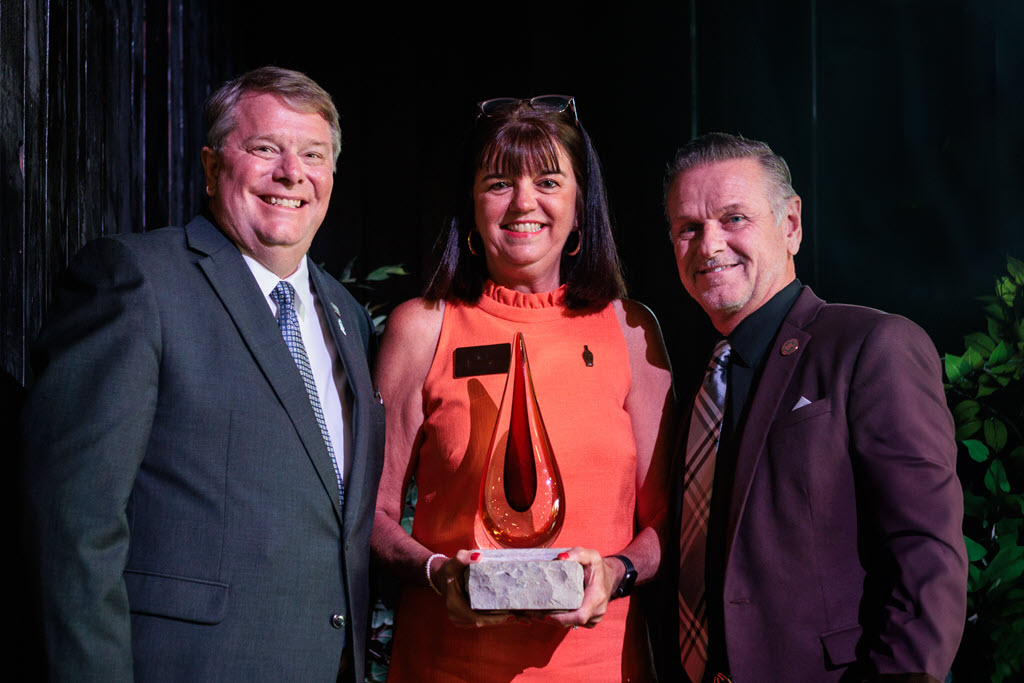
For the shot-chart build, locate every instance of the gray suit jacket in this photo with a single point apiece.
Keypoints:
(181, 501)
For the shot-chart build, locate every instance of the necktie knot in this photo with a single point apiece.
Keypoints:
(720, 356)
(716, 378)
(283, 295)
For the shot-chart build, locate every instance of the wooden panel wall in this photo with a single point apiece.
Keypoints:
(100, 130)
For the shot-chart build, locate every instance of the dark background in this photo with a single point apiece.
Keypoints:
(901, 121)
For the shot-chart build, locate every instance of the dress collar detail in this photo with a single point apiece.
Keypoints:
(512, 305)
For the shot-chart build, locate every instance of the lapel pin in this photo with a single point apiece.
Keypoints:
(588, 356)
(341, 325)
(790, 346)
(377, 396)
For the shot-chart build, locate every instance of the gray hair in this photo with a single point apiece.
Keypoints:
(714, 147)
(299, 91)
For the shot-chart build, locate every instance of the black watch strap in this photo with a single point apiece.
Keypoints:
(628, 579)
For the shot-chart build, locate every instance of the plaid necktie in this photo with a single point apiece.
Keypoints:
(699, 472)
(284, 296)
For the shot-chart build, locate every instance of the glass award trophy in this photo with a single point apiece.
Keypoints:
(522, 502)
(522, 507)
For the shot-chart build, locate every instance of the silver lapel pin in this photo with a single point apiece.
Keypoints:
(341, 325)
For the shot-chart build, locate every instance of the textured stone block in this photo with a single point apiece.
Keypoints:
(524, 580)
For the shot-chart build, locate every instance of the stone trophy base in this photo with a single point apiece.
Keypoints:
(530, 579)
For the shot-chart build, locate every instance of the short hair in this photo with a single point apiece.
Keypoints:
(299, 91)
(714, 147)
(519, 139)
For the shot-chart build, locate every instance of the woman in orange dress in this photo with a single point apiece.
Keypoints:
(531, 252)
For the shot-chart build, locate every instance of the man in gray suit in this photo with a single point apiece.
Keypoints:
(203, 443)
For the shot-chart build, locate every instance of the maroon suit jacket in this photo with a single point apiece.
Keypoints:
(844, 549)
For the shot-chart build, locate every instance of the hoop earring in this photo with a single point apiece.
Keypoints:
(469, 243)
(579, 243)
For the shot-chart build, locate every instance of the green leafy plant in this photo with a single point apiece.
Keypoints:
(986, 395)
(378, 299)
(368, 289)
(383, 615)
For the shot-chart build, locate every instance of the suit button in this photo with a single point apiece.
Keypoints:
(338, 621)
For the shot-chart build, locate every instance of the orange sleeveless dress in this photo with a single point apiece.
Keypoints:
(592, 438)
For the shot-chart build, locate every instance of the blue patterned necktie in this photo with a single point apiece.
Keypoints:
(284, 296)
(699, 473)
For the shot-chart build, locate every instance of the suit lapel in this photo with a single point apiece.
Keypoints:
(348, 340)
(235, 286)
(778, 372)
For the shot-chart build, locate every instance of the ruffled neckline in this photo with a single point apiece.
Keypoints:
(512, 305)
(510, 297)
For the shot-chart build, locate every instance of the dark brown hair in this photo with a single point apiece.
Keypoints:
(516, 140)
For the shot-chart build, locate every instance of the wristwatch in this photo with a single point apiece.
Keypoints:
(628, 579)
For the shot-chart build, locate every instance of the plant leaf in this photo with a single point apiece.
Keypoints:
(984, 391)
(1000, 354)
(1004, 368)
(980, 341)
(953, 371)
(977, 450)
(973, 360)
(1016, 269)
(995, 327)
(1017, 500)
(973, 578)
(965, 410)
(994, 307)
(384, 272)
(346, 272)
(995, 434)
(975, 551)
(967, 429)
(1005, 290)
(995, 478)
(975, 506)
(1006, 567)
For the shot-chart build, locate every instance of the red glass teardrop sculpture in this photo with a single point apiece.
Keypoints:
(521, 495)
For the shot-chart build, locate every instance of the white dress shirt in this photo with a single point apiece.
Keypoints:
(328, 371)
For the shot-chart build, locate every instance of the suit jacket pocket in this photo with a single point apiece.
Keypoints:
(202, 602)
(813, 409)
(841, 645)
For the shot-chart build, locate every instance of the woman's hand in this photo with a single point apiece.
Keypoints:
(449, 579)
(600, 577)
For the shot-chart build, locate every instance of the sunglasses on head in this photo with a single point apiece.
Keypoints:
(554, 104)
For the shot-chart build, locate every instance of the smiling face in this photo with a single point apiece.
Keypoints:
(524, 223)
(732, 255)
(271, 182)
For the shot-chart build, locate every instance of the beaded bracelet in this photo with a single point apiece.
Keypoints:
(430, 582)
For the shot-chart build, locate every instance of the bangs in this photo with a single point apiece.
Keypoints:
(520, 150)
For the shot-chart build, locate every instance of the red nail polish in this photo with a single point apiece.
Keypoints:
(474, 557)
(563, 556)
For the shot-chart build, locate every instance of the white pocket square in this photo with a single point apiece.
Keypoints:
(801, 403)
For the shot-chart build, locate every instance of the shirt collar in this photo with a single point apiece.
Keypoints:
(267, 280)
(752, 336)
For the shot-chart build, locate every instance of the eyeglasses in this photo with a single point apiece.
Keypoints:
(554, 104)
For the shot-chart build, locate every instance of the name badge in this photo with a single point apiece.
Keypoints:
(491, 359)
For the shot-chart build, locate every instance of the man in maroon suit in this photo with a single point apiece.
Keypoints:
(817, 500)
